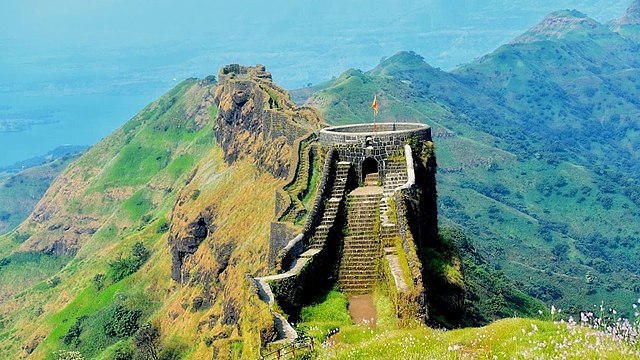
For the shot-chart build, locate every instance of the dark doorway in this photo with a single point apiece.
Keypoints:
(370, 171)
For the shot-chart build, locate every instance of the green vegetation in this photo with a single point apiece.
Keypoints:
(328, 314)
(123, 267)
(550, 202)
(19, 193)
(509, 338)
(21, 270)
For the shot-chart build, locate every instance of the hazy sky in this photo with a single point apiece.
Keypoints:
(71, 71)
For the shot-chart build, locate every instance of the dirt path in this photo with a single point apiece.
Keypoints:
(362, 310)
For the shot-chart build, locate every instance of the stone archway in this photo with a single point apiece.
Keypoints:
(370, 171)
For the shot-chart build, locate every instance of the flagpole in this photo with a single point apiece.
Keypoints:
(374, 105)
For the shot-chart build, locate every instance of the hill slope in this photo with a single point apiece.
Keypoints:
(537, 147)
(20, 192)
(98, 259)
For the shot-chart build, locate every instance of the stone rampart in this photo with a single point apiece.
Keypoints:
(290, 250)
(355, 143)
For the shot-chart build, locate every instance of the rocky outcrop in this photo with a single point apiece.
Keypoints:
(258, 119)
(632, 15)
(184, 240)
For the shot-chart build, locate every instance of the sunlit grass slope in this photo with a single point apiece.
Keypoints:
(513, 338)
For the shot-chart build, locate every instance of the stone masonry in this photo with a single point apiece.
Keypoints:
(356, 233)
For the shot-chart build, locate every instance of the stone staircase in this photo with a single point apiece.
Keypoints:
(331, 206)
(395, 176)
(371, 179)
(362, 248)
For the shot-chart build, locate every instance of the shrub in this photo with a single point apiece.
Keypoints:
(72, 337)
(98, 281)
(146, 340)
(121, 268)
(123, 322)
(123, 353)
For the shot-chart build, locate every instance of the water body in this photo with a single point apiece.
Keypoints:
(73, 71)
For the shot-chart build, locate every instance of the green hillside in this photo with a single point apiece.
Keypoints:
(20, 192)
(143, 246)
(537, 148)
(76, 272)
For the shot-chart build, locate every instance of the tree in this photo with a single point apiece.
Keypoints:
(140, 254)
(146, 340)
(123, 322)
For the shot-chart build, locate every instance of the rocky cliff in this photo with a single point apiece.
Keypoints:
(629, 24)
(256, 122)
(257, 119)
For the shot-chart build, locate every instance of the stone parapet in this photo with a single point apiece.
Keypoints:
(354, 143)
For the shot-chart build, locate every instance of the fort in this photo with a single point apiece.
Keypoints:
(355, 214)
(372, 198)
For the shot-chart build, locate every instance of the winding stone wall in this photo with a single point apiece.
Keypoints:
(285, 252)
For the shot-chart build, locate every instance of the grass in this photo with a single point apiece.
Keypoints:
(137, 205)
(504, 339)
(22, 270)
(20, 192)
(328, 314)
(518, 338)
(135, 165)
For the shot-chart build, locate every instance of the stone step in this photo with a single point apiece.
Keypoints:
(358, 275)
(359, 238)
(362, 257)
(364, 281)
(360, 246)
(361, 230)
(361, 225)
(359, 257)
(354, 263)
(359, 263)
(354, 283)
(351, 287)
(361, 253)
(356, 289)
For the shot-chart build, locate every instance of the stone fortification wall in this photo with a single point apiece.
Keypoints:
(410, 304)
(354, 143)
(233, 71)
(287, 250)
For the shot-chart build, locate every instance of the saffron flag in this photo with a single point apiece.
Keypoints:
(374, 105)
